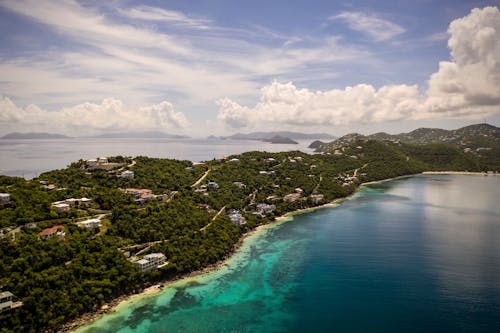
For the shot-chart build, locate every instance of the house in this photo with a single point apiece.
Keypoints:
(141, 195)
(234, 160)
(79, 203)
(4, 198)
(266, 208)
(317, 198)
(213, 186)
(101, 163)
(299, 190)
(291, 197)
(150, 261)
(61, 207)
(236, 217)
(337, 152)
(273, 198)
(56, 231)
(90, 224)
(266, 173)
(127, 174)
(239, 184)
(8, 301)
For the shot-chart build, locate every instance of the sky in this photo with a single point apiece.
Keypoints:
(204, 67)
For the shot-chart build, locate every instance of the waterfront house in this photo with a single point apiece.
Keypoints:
(150, 261)
(236, 217)
(317, 198)
(265, 208)
(291, 197)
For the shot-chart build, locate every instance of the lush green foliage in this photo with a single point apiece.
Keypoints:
(57, 280)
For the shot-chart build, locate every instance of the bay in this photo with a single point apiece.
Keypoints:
(419, 254)
(29, 158)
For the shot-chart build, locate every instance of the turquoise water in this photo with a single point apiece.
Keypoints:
(420, 254)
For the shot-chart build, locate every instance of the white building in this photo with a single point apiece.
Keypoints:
(151, 261)
(127, 174)
(90, 224)
(236, 217)
(8, 301)
(4, 198)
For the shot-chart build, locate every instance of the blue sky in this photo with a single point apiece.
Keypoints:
(212, 67)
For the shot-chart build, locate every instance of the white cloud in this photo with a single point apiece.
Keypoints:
(466, 87)
(370, 24)
(470, 83)
(89, 118)
(287, 105)
(148, 13)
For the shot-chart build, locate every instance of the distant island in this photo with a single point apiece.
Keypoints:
(140, 135)
(278, 139)
(33, 135)
(268, 135)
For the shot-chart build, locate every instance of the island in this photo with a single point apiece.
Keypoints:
(278, 139)
(32, 136)
(75, 241)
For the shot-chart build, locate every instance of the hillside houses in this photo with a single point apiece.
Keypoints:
(67, 204)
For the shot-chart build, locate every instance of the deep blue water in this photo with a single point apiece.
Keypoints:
(420, 254)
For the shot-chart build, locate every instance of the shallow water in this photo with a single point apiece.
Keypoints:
(410, 255)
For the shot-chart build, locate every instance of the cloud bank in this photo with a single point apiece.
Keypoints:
(89, 118)
(468, 86)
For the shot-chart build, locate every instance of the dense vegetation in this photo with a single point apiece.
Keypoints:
(59, 279)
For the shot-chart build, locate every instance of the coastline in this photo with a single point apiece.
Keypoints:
(113, 305)
(460, 173)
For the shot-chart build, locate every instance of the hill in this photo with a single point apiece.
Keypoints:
(291, 135)
(278, 139)
(32, 135)
(468, 138)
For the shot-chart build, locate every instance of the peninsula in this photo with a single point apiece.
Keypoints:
(75, 239)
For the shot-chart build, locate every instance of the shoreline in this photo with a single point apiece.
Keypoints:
(486, 173)
(112, 306)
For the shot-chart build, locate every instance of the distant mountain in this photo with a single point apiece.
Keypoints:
(291, 135)
(33, 135)
(471, 137)
(316, 144)
(140, 135)
(278, 139)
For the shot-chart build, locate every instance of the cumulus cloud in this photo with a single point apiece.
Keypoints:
(466, 87)
(470, 83)
(371, 25)
(286, 104)
(89, 118)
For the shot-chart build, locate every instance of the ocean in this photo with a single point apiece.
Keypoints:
(418, 254)
(29, 158)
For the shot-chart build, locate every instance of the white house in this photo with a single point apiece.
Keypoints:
(8, 301)
(4, 198)
(90, 224)
(151, 261)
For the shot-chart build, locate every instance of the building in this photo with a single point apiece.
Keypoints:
(141, 195)
(8, 301)
(213, 186)
(127, 174)
(234, 160)
(61, 207)
(239, 184)
(236, 217)
(101, 163)
(4, 198)
(266, 173)
(56, 231)
(90, 224)
(150, 261)
(265, 208)
(291, 197)
(317, 198)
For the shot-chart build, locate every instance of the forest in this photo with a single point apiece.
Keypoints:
(187, 217)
